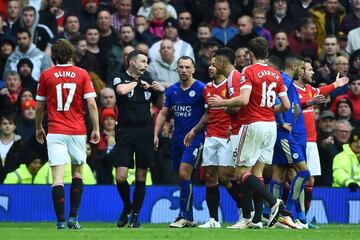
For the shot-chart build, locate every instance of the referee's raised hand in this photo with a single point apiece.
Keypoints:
(156, 86)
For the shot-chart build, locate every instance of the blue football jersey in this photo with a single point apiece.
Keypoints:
(187, 108)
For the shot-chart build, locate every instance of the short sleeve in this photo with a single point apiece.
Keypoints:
(168, 102)
(89, 90)
(245, 79)
(41, 91)
(281, 88)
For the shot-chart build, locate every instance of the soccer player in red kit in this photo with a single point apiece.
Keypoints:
(62, 89)
(260, 84)
(310, 96)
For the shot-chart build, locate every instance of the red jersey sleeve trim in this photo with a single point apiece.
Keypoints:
(89, 95)
(40, 98)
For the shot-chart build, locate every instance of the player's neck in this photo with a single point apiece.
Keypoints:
(187, 84)
(219, 80)
(300, 83)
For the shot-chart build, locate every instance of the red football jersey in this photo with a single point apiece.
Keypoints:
(218, 120)
(265, 84)
(233, 85)
(64, 87)
(305, 94)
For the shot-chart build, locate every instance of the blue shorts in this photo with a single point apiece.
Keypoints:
(287, 151)
(182, 154)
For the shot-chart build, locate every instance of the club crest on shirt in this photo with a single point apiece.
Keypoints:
(223, 93)
(147, 95)
(295, 156)
(116, 81)
(192, 93)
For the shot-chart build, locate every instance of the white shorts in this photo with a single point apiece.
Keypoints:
(313, 159)
(217, 152)
(255, 142)
(65, 148)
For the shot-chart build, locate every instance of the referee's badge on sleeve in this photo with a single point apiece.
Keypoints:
(116, 80)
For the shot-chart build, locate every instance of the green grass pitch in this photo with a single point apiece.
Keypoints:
(107, 231)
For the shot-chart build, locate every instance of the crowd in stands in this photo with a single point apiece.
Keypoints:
(104, 32)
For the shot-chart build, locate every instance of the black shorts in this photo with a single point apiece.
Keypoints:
(134, 143)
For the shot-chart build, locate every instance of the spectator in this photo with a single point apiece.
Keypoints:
(108, 100)
(353, 95)
(329, 148)
(259, 19)
(88, 14)
(222, 28)
(281, 47)
(71, 28)
(157, 17)
(108, 36)
(141, 46)
(24, 68)
(354, 67)
(142, 33)
(326, 127)
(40, 34)
(246, 33)
(7, 46)
(300, 8)
(145, 9)
(164, 69)
(203, 61)
(344, 110)
(346, 166)
(10, 93)
(82, 58)
(340, 66)
(26, 173)
(302, 40)
(328, 17)
(118, 64)
(353, 40)
(352, 18)
(264, 4)
(185, 29)
(203, 33)
(26, 49)
(279, 17)
(242, 58)
(10, 144)
(182, 48)
(343, 40)
(53, 16)
(25, 124)
(13, 7)
(123, 14)
(4, 30)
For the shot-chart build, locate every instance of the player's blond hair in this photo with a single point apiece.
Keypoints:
(62, 51)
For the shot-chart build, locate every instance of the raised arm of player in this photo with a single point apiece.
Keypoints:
(39, 114)
(159, 124)
(123, 89)
(198, 127)
(94, 115)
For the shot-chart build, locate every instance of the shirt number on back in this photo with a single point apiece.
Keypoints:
(59, 95)
(268, 95)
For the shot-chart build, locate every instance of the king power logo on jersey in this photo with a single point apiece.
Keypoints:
(182, 111)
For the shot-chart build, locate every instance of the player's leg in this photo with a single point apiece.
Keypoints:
(276, 184)
(58, 157)
(186, 191)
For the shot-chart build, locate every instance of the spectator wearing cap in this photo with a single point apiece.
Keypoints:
(343, 40)
(346, 165)
(182, 48)
(353, 95)
(344, 110)
(223, 29)
(123, 14)
(329, 147)
(352, 18)
(26, 173)
(25, 123)
(354, 67)
(24, 68)
(157, 16)
(89, 9)
(246, 33)
(326, 127)
(279, 17)
(353, 40)
(164, 69)
(7, 46)
(328, 17)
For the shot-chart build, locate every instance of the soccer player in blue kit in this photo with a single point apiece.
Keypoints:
(185, 101)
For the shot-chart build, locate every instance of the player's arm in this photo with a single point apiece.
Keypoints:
(94, 116)
(156, 86)
(197, 128)
(339, 82)
(159, 124)
(238, 101)
(125, 88)
(39, 115)
(284, 105)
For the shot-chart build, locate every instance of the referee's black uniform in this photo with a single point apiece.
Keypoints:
(135, 125)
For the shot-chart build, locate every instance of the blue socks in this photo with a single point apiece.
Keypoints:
(186, 200)
(297, 186)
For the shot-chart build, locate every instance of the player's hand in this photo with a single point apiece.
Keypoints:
(95, 137)
(215, 101)
(340, 81)
(156, 143)
(189, 137)
(156, 86)
(318, 99)
(145, 85)
(288, 127)
(353, 186)
(40, 135)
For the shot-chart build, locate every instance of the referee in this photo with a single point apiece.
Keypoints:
(135, 92)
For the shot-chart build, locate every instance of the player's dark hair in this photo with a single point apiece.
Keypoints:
(259, 47)
(226, 53)
(293, 59)
(186, 58)
(133, 55)
(275, 62)
(62, 51)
